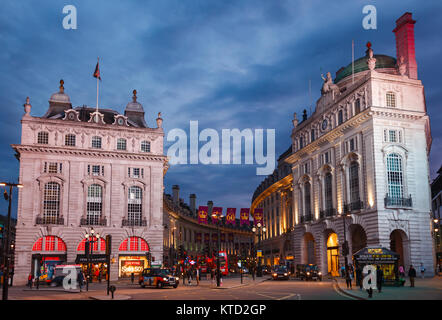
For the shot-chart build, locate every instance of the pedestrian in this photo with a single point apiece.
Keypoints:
(370, 289)
(379, 278)
(132, 277)
(253, 272)
(401, 271)
(189, 276)
(359, 277)
(412, 275)
(422, 270)
(198, 276)
(348, 280)
(80, 279)
(343, 271)
(30, 279)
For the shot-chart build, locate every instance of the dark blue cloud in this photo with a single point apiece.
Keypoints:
(228, 64)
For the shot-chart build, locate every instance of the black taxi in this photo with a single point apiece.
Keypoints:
(158, 277)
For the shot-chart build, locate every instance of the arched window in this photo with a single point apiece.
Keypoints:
(121, 144)
(43, 137)
(94, 204)
(49, 243)
(328, 193)
(96, 142)
(69, 140)
(134, 244)
(354, 185)
(340, 117)
(307, 200)
(145, 146)
(134, 205)
(395, 176)
(391, 99)
(51, 203)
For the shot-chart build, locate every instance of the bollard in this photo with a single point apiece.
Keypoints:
(112, 290)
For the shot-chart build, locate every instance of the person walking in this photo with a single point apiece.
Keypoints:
(401, 271)
(379, 278)
(80, 278)
(348, 280)
(198, 276)
(189, 276)
(412, 275)
(132, 277)
(422, 270)
(359, 277)
(30, 279)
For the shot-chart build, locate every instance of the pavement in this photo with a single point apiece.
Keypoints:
(424, 289)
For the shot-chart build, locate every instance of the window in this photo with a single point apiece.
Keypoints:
(51, 202)
(392, 135)
(135, 173)
(53, 167)
(357, 106)
(69, 140)
(306, 168)
(326, 158)
(121, 144)
(96, 142)
(391, 99)
(395, 176)
(145, 146)
(340, 117)
(307, 199)
(43, 137)
(354, 182)
(134, 204)
(328, 194)
(301, 143)
(313, 135)
(95, 170)
(94, 204)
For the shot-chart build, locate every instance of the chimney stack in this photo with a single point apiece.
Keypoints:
(192, 203)
(404, 32)
(176, 194)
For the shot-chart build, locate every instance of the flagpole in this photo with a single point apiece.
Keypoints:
(353, 61)
(98, 60)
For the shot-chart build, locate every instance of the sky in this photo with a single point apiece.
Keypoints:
(226, 64)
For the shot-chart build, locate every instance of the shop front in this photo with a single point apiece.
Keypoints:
(134, 257)
(132, 264)
(386, 259)
(47, 253)
(96, 263)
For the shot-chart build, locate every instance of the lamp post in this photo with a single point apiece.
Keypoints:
(89, 251)
(218, 271)
(7, 246)
(259, 229)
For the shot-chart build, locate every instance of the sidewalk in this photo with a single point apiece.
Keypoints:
(424, 289)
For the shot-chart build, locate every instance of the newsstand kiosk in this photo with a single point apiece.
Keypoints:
(386, 259)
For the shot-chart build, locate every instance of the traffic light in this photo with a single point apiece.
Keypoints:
(86, 248)
(108, 244)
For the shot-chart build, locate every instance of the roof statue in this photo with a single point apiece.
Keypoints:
(371, 61)
(402, 66)
(328, 84)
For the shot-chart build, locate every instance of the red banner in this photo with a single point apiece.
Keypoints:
(206, 237)
(202, 214)
(231, 216)
(216, 214)
(198, 237)
(257, 215)
(244, 216)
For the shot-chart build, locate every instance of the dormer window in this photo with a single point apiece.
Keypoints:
(391, 100)
(43, 137)
(96, 142)
(145, 146)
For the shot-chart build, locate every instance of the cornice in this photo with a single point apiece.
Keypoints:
(284, 183)
(20, 148)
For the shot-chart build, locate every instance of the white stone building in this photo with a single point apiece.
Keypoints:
(83, 168)
(364, 152)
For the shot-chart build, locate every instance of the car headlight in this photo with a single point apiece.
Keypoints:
(308, 273)
(165, 279)
(285, 274)
(177, 278)
(274, 274)
(319, 273)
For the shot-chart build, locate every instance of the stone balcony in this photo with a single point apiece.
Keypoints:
(49, 220)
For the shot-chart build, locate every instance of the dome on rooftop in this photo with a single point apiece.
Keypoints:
(134, 105)
(61, 96)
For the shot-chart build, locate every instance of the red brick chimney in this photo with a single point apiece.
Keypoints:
(404, 32)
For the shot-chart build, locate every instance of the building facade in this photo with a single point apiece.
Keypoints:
(86, 168)
(181, 228)
(360, 163)
(436, 200)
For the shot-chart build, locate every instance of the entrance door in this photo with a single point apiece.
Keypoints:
(333, 254)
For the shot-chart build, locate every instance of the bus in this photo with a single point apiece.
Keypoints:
(201, 261)
(223, 262)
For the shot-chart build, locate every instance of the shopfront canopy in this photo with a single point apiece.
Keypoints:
(376, 255)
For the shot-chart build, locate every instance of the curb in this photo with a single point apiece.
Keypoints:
(53, 290)
(338, 288)
(105, 297)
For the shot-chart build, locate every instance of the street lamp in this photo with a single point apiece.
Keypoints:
(259, 229)
(89, 251)
(218, 217)
(7, 246)
(345, 249)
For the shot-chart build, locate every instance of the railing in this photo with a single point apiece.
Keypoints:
(49, 220)
(398, 202)
(307, 217)
(91, 221)
(134, 222)
(357, 205)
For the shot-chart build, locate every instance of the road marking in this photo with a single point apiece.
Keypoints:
(290, 295)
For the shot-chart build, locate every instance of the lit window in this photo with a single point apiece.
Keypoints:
(145, 146)
(121, 144)
(391, 99)
(51, 202)
(94, 204)
(53, 167)
(69, 140)
(307, 199)
(328, 191)
(43, 137)
(96, 142)
(395, 176)
(134, 203)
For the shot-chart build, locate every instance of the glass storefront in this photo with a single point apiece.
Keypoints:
(44, 265)
(131, 264)
(333, 254)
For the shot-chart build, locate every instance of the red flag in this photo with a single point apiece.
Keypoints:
(97, 72)
(244, 216)
(202, 214)
(216, 214)
(230, 216)
(257, 216)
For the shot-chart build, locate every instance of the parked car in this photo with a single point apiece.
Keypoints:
(158, 277)
(308, 272)
(280, 272)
